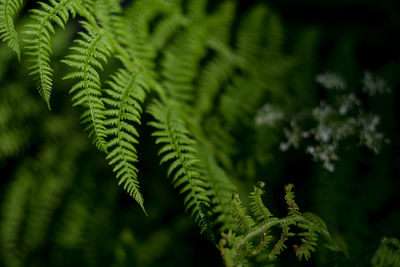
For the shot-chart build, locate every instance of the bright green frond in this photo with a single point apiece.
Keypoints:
(91, 53)
(124, 106)
(256, 205)
(185, 169)
(37, 42)
(221, 190)
(239, 213)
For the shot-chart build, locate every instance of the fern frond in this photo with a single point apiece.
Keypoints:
(222, 140)
(92, 50)
(37, 44)
(309, 241)
(105, 11)
(289, 197)
(196, 9)
(388, 253)
(220, 24)
(262, 245)
(252, 237)
(73, 220)
(221, 190)
(125, 100)
(181, 63)
(166, 29)
(15, 133)
(13, 211)
(13, 141)
(9, 10)
(179, 148)
(280, 245)
(249, 37)
(245, 222)
(212, 78)
(47, 194)
(257, 208)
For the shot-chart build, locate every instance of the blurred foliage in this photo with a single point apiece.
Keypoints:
(60, 202)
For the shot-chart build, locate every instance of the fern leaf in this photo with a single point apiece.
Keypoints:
(220, 191)
(249, 39)
(47, 195)
(262, 245)
(9, 10)
(245, 222)
(181, 63)
(256, 206)
(165, 29)
(220, 23)
(136, 33)
(388, 253)
(126, 96)
(13, 212)
(280, 245)
(37, 44)
(213, 76)
(196, 8)
(185, 169)
(309, 241)
(92, 49)
(289, 197)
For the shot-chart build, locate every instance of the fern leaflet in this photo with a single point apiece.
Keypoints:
(92, 48)
(8, 12)
(125, 98)
(38, 41)
(185, 170)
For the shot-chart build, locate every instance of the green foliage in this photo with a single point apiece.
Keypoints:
(217, 80)
(184, 168)
(126, 96)
(253, 233)
(87, 91)
(388, 253)
(9, 10)
(37, 42)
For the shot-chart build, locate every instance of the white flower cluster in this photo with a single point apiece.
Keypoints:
(268, 115)
(373, 85)
(336, 122)
(331, 80)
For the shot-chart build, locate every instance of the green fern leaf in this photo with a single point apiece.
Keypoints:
(280, 245)
(181, 63)
(256, 206)
(220, 191)
(184, 169)
(388, 253)
(92, 49)
(293, 208)
(245, 222)
(126, 96)
(9, 10)
(309, 241)
(38, 41)
(165, 29)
